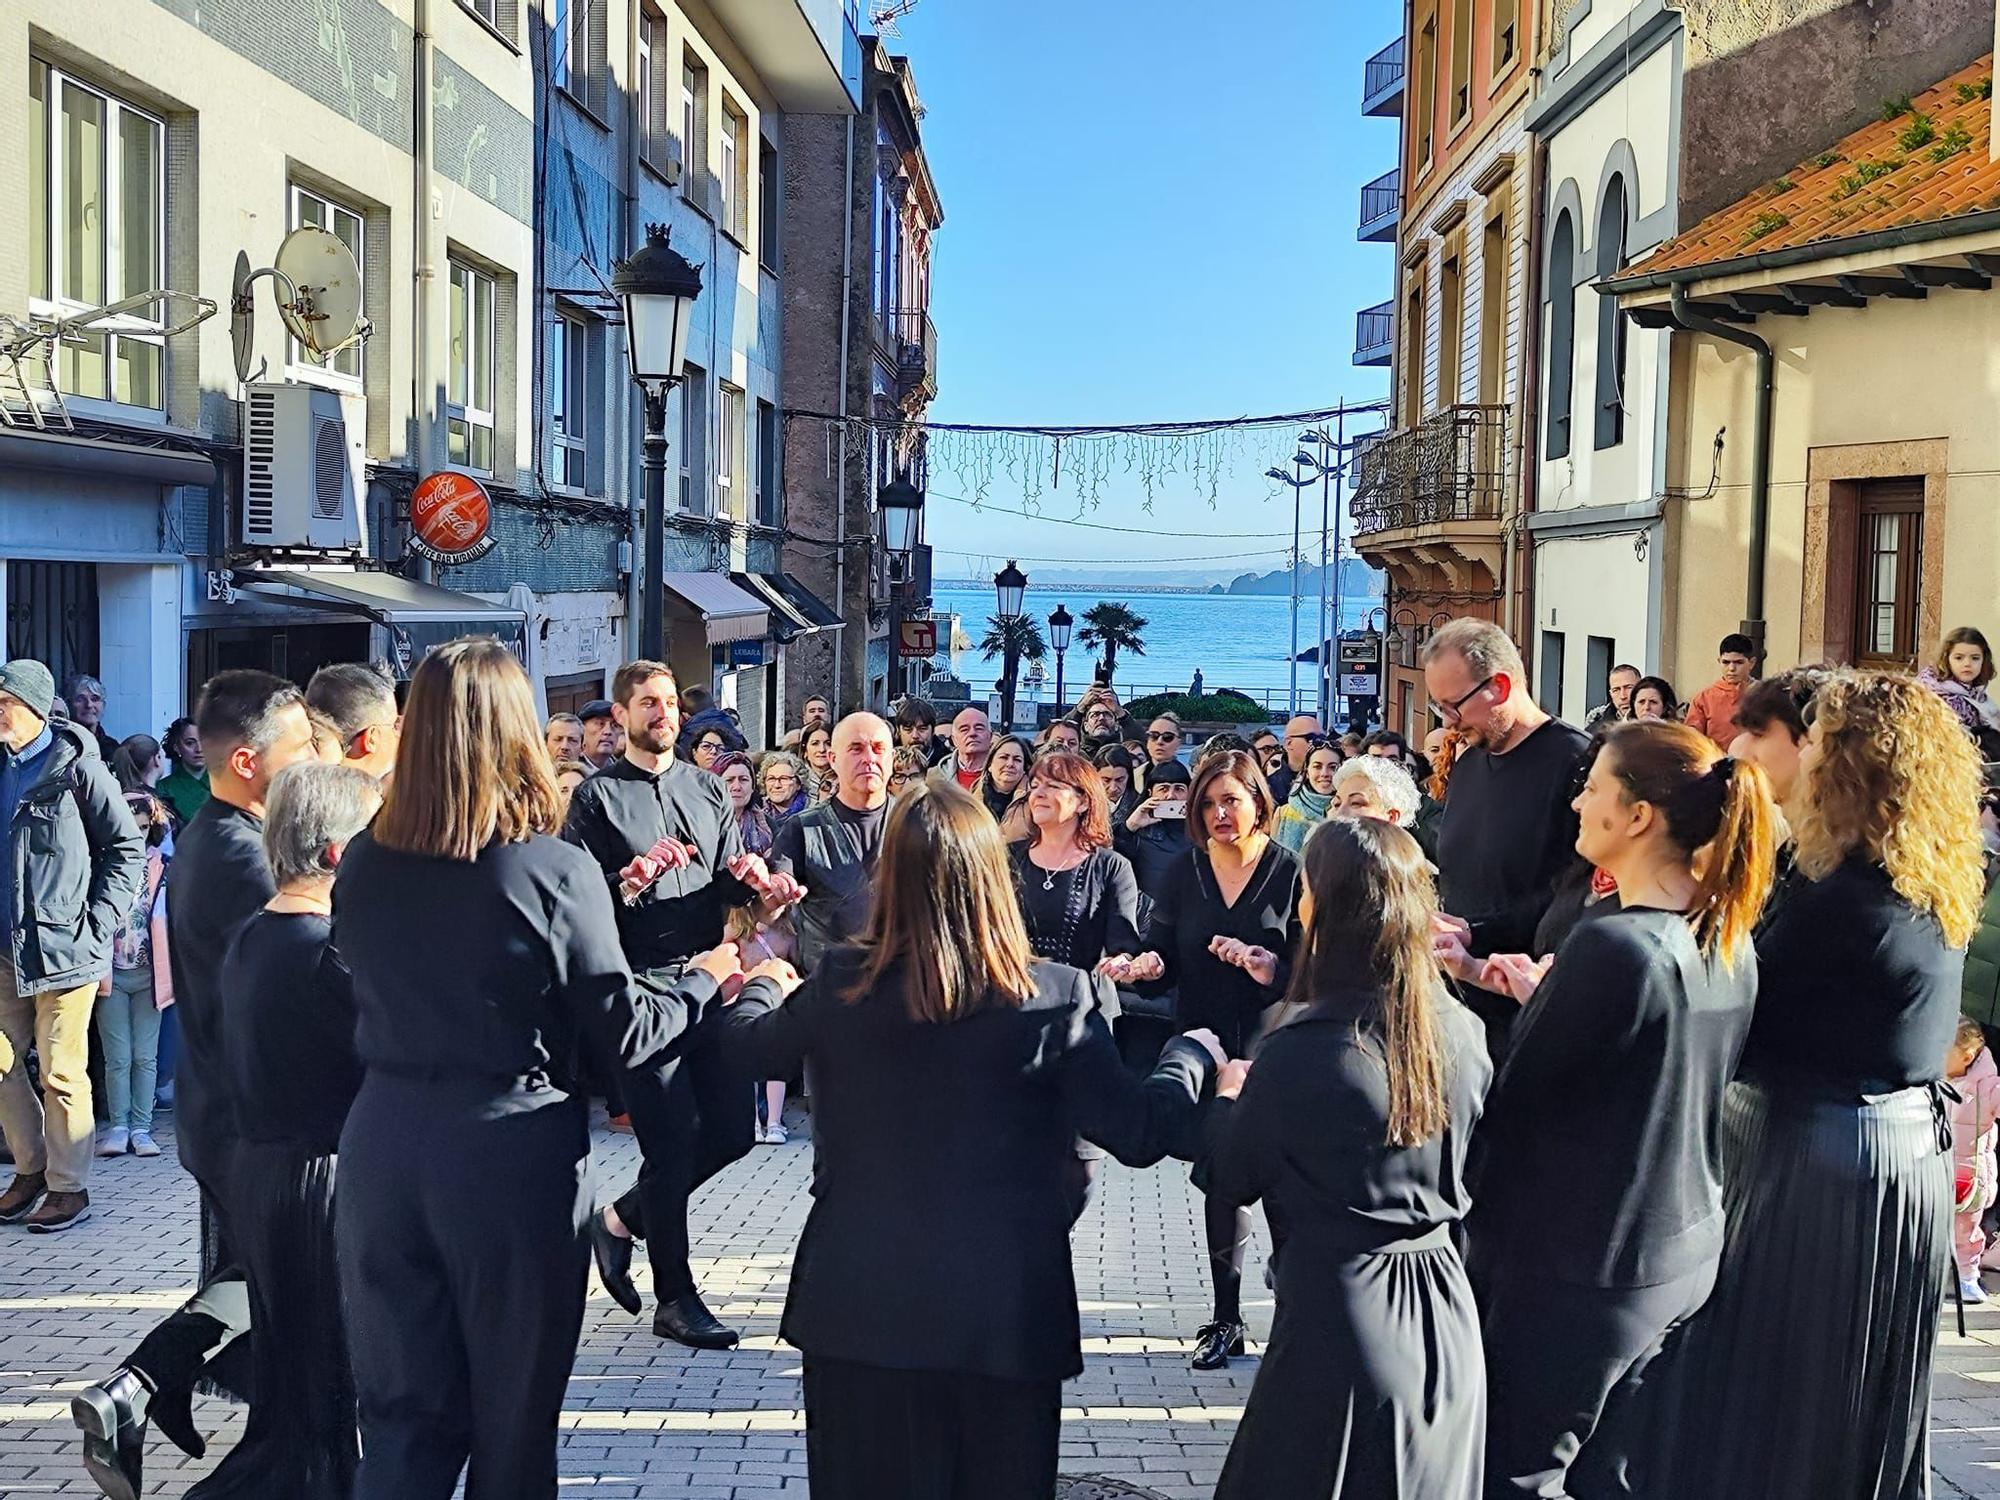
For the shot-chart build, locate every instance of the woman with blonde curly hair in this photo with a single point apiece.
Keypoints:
(1809, 1373)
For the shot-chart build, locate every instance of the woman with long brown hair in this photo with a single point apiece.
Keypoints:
(932, 1294)
(485, 958)
(1599, 1191)
(1353, 1129)
(1223, 930)
(1078, 895)
(1809, 1375)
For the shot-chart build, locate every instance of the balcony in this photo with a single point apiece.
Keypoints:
(1375, 334)
(1381, 207)
(1430, 496)
(913, 338)
(1382, 82)
(807, 52)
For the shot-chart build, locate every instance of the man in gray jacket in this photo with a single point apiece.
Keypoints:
(74, 861)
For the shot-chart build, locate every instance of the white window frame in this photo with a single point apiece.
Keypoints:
(569, 404)
(298, 362)
(149, 330)
(652, 111)
(731, 411)
(563, 72)
(694, 130)
(480, 320)
(733, 212)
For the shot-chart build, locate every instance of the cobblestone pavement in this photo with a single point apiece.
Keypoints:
(647, 1418)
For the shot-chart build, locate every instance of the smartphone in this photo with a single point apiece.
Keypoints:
(1169, 811)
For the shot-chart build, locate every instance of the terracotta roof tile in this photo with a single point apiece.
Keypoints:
(1924, 165)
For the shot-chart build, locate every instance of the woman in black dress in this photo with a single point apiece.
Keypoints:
(1078, 895)
(1809, 1374)
(1373, 1386)
(485, 958)
(1223, 930)
(289, 1040)
(932, 1294)
(1599, 1191)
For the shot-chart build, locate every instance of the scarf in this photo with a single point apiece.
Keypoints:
(1309, 803)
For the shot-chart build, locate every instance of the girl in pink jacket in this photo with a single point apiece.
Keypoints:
(1975, 1125)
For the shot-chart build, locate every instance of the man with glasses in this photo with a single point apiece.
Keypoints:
(359, 701)
(1268, 748)
(1302, 737)
(1507, 831)
(1099, 717)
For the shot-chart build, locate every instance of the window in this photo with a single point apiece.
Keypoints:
(1414, 334)
(469, 400)
(1461, 60)
(569, 406)
(1888, 571)
(1599, 653)
(97, 231)
(566, 59)
(729, 451)
(1549, 686)
(1451, 324)
(694, 130)
(1611, 331)
(732, 174)
(1423, 103)
(1493, 306)
(770, 510)
(344, 224)
(694, 441)
(1562, 333)
(1506, 34)
(767, 205)
(653, 133)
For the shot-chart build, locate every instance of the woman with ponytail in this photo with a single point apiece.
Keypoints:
(1372, 1384)
(1836, 1144)
(1600, 1184)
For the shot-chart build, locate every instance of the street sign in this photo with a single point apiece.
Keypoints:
(451, 518)
(917, 638)
(1360, 651)
(1357, 684)
(746, 653)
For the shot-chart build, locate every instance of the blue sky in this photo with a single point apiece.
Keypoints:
(1150, 209)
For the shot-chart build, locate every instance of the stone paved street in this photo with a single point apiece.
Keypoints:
(645, 1418)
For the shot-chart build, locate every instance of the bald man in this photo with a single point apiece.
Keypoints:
(1302, 733)
(830, 850)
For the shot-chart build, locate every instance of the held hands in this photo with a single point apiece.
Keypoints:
(1451, 939)
(722, 963)
(1229, 1081)
(1261, 964)
(775, 969)
(638, 876)
(1120, 969)
(775, 889)
(1210, 1043)
(1514, 975)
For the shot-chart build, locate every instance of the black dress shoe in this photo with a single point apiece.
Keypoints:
(112, 1417)
(1214, 1343)
(687, 1320)
(173, 1413)
(613, 1254)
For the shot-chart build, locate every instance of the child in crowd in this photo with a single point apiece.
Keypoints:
(1963, 669)
(1975, 1124)
(131, 997)
(1713, 709)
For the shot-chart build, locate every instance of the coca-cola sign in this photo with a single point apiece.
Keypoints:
(451, 518)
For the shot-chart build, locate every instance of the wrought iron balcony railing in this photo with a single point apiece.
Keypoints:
(1449, 467)
(914, 337)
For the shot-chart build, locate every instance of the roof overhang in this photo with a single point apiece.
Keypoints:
(387, 598)
(727, 613)
(804, 51)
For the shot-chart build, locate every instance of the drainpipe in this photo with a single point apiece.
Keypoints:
(1519, 592)
(1760, 460)
(628, 199)
(840, 502)
(424, 268)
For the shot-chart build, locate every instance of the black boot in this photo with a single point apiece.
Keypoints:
(613, 1254)
(687, 1320)
(172, 1412)
(1214, 1343)
(112, 1417)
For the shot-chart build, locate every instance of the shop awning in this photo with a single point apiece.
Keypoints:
(727, 612)
(387, 598)
(787, 624)
(806, 602)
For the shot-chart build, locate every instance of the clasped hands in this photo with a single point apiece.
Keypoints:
(1229, 1071)
(1261, 964)
(724, 964)
(1514, 975)
(775, 889)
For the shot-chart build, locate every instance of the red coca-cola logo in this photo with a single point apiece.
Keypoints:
(451, 518)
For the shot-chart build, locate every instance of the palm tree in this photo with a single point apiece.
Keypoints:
(1114, 628)
(1014, 639)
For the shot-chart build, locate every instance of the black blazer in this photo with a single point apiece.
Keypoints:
(1191, 913)
(939, 1232)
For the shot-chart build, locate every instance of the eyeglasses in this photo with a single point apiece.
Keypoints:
(1452, 710)
(1163, 734)
(781, 778)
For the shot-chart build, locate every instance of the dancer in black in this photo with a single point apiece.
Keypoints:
(932, 1294)
(1353, 1129)
(1599, 1187)
(289, 1042)
(485, 959)
(1809, 1375)
(1224, 930)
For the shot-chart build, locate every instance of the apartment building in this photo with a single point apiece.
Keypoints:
(861, 213)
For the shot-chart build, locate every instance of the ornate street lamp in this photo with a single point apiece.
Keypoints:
(658, 287)
(1009, 584)
(1060, 623)
(902, 507)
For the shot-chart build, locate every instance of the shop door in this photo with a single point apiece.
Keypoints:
(52, 616)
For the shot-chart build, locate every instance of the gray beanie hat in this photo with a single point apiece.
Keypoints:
(31, 682)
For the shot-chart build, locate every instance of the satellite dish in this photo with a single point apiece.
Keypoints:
(241, 319)
(324, 312)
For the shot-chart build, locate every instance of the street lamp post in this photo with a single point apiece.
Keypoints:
(1060, 623)
(1009, 585)
(658, 287)
(902, 506)
(1298, 484)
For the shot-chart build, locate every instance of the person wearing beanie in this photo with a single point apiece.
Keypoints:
(68, 831)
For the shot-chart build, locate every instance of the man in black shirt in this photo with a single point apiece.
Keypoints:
(1507, 832)
(252, 725)
(663, 833)
(830, 850)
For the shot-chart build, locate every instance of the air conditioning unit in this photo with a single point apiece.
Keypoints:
(303, 468)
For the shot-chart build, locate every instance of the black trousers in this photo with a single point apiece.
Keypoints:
(1567, 1370)
(206, 1339)
(690, 1127)
(873, 1433)
(459, 1228)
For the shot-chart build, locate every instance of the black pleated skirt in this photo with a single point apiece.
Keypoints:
(1808, 1375)
(301, 1440)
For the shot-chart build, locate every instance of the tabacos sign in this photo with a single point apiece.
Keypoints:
(451, 518)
